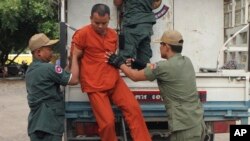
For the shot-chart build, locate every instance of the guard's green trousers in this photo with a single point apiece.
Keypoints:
(196, 133)
(45, 137)
(137, 42)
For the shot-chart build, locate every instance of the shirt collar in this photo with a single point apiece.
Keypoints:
(175, 56)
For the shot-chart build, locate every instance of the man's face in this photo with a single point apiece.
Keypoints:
(100, 23)
(163, 50)
(46, 53)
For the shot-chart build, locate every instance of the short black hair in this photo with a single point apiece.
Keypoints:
(101, 9)
(177, 49)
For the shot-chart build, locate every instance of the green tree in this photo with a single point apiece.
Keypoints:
(20, 19)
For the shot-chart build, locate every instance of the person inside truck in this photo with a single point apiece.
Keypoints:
(45, 100)
(177, 84)
(102, 82)
(137, 28)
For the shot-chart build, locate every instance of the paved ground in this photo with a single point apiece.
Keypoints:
(14, 111)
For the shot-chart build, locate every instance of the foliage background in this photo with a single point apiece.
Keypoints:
(20, 19)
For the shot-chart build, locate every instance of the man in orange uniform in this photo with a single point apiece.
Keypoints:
(102, 82)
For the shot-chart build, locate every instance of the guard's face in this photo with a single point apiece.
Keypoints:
(163, 49)
(100, 23)
(46, 53)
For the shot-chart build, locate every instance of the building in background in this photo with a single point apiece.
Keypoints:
(236, 19)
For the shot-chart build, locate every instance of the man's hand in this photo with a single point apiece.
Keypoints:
(115, 60)
(118, 3)
(128, 62)
(137, 64)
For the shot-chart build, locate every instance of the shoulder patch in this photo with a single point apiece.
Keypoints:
(152, 66)
(58, 69)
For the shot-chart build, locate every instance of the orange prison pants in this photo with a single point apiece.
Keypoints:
(123, 98)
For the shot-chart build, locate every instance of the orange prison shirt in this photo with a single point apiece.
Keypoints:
(95, 73)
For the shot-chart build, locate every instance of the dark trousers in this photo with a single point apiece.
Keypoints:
(137, 39)
(42, 136)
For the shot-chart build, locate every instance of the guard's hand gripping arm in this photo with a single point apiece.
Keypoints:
(137, 64)
(115, 60)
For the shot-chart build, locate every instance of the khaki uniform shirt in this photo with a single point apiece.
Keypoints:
(177, 83)
(45, 100)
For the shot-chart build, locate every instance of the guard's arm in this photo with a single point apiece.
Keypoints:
(74, 68)
(135, 75)
(118, 62)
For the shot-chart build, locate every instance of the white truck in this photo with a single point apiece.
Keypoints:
(224, 93)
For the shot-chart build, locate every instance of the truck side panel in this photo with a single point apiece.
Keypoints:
(225, 94)
(201, 23)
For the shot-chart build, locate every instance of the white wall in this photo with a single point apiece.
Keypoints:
(201, 23)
